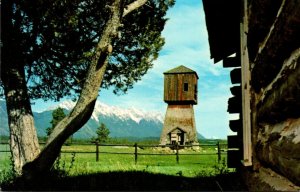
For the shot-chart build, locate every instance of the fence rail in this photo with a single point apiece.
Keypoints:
(221, 149)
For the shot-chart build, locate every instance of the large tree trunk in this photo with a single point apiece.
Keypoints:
(23, 138)
(24, 142)
(86, 102)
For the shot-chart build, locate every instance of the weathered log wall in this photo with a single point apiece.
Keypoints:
(267, 62)
(278, 147)
(275, 78)
(282, 38)
(281, 98)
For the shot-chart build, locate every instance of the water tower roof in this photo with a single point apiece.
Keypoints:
(180, 69)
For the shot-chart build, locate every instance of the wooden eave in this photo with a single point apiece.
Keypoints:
(181, 70)
(175, 129)
(222, 23)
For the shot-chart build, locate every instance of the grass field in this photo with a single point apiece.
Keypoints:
(191, 162)
(189, 165)
(117, 171)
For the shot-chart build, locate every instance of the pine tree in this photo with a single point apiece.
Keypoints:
(102, 134)
(52, 49)
(57, 115)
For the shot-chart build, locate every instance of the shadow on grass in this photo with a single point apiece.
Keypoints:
(128, 181)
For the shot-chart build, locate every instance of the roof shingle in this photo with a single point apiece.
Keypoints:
(180, 69)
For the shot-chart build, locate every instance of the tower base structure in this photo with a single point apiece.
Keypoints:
(179, 126)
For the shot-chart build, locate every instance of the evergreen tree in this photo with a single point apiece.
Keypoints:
(57, 115)
(102, 134)
(52, 49)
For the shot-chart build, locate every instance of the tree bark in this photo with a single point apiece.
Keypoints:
(86, 102)
(23, 138)
(133, 6)
(24, 142)
(278, 147)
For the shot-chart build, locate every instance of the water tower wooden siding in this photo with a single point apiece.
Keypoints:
(180, 93)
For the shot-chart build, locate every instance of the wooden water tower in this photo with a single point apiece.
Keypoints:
(180, 93)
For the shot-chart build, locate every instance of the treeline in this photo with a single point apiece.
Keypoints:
(4, 139)
(122, 140)
(133, 140)
(212, 141)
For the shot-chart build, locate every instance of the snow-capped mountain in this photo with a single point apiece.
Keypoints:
(122, 122)
(68, 105)
(121, 113)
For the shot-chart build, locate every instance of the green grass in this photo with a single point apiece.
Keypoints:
(199, 171)
(5, 164)
(85, 163)
(201, 161)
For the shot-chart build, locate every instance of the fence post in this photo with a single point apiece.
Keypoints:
(177, 154)
(219, 152)
(97, 151)
(135, 153)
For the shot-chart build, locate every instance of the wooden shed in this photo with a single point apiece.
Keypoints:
(177, 135)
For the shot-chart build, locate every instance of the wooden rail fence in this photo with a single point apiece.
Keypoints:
(221, 149)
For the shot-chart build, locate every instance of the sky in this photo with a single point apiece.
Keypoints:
(186, 43)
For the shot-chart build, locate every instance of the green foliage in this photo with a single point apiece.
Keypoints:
(102, 134)
(213, 141)
(54, 42)
(4, 139)
(133, 140)
(7, 175)
(138, 46)
(60, 169)
(57, 115)
(7, 172)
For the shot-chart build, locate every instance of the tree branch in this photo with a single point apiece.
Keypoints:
(86, 102)
(132, 6)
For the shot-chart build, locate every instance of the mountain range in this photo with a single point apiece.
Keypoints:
(122, 122)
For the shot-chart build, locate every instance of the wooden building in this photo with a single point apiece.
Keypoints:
(180, 93)
(180, 86)
(260, 41)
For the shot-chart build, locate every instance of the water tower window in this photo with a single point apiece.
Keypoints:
(185, 87)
